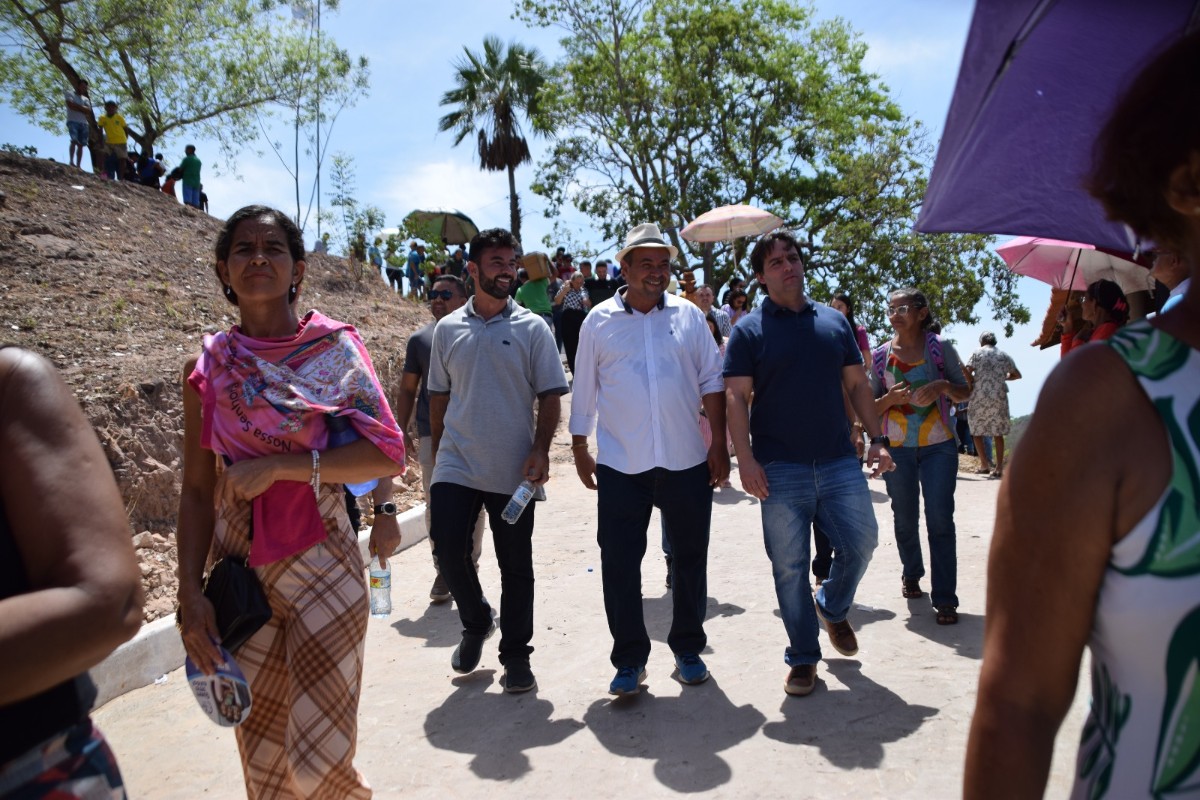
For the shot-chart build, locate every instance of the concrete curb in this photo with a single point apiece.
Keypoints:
(157, 649)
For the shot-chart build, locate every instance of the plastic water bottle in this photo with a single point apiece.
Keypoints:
(516, 503)
(341, 432)
(381, 590)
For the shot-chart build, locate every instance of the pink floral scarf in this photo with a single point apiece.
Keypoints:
(271, 396)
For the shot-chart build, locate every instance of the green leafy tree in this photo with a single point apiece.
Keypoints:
(668, 108)
(199, 65)
(493, 90)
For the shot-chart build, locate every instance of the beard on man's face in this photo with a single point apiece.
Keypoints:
(496, 287)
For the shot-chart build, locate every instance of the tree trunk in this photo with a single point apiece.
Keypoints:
(514, 206)
(296, 157)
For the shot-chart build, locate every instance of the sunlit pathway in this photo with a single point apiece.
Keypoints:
(891, 722)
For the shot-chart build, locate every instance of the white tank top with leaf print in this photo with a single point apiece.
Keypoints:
(1142, 735)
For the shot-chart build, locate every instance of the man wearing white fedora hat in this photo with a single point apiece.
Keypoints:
(646, 364)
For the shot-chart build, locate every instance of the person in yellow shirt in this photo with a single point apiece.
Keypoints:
(112, 124)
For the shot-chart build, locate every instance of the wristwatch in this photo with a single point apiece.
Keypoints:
(881, 439)
(388, 509)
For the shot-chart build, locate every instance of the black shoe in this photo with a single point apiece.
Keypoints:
(518, 677)
(470, 649)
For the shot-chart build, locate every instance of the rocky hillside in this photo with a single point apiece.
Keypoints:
(114, 284)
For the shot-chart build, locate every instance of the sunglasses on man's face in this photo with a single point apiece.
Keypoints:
(445, 294)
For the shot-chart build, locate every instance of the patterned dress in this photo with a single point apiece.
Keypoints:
(1142, 736)
(989, 396)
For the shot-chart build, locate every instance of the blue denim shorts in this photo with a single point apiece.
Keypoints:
(78, 132)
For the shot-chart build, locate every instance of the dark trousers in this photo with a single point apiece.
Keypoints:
(625, 502)
(556, 316)
(966, 442)
(572, 321)
(394, 281)
(453, 511)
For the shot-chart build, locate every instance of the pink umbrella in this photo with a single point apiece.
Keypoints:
(730, 222)
(1072, 265)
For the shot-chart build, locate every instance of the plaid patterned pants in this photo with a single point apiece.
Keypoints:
(304, 666)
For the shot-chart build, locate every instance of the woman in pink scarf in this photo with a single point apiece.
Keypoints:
(259, 479)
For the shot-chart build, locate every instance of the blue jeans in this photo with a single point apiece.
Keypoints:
(684, 499)
(835, 496)
(933, 471)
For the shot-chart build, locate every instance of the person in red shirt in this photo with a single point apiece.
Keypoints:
(1105, 307)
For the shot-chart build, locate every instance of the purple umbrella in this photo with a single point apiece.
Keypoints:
(1037, 81)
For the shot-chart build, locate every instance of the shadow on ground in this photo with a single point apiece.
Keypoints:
(733, 495)
(658, 611)
(683, 735)
(495, 728)
(851, 725)
(438, 625)
(966, 637)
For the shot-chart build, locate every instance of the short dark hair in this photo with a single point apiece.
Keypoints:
(705, 286)
(191, 148)
(1153, 130)
(486, 240)
(918, 299)
(291, 232)
(987, 338)
(764, 246)
(457, 281)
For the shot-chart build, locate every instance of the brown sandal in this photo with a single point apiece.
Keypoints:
(947, 615)
(910, 588)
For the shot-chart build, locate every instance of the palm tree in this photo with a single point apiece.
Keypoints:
(493, 87)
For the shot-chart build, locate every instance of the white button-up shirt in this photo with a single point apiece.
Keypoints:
(638, 383)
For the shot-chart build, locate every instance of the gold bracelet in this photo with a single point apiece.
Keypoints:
(579, 446)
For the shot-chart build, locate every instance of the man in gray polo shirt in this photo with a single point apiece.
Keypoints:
(447, 295)
(491, 360)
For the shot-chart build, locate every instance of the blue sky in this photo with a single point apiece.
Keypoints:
(403, 162)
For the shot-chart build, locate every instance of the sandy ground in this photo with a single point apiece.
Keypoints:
(891, 722)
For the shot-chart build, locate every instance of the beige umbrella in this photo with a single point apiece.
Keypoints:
(730, 222)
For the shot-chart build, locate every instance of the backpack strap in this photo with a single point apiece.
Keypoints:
(879, 361)
(933, 343)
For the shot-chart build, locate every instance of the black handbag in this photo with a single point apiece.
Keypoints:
(238, 599)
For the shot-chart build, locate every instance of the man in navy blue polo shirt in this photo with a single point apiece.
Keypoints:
(800, 363)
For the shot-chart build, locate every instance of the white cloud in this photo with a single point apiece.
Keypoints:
(444, 183)
(925, 54)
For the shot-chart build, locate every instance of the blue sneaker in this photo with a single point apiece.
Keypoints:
(691, 669)
(627, 681)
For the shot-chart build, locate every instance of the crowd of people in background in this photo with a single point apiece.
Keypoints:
(107, 137)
